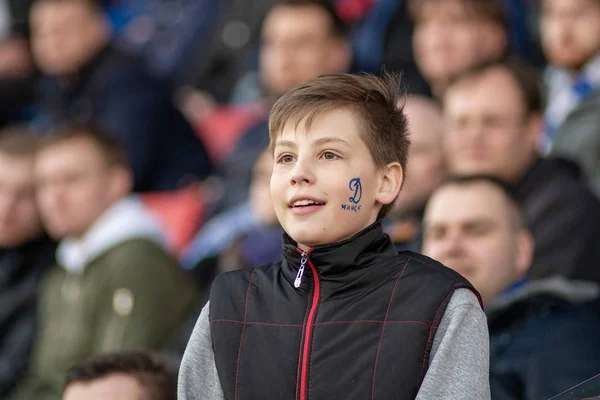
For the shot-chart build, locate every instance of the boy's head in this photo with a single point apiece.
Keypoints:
(475, 226)
(340, 147)
(301, 39)
(122, 376)
(493, 120)
(452, 35)
(19, 217)
(570, 32)
(81, 171)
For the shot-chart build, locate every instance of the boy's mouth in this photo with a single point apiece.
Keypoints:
(305, 203)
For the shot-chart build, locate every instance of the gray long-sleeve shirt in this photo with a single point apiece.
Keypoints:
(458, 364)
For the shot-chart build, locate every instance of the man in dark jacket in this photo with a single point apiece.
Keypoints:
(543, 333)
(88, 79)
(25, 252)
(494, 117)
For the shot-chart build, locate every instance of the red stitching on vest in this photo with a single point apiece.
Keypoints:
(364, 321)
(237, 367)
(383, 328)
(368, 321)
(254, 323)
(430, 332)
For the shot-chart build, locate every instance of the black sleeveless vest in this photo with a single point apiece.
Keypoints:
(353, 320)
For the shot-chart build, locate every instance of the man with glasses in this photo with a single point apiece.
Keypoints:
(493, 115)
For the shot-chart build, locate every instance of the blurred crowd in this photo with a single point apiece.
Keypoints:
(134, 168)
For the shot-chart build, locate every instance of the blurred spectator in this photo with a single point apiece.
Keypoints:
(494, 121)
(169, 33)
(425, 171)
(452, 35)
(114, 287)
(244, 236)
(125, 375)
(301, 39)
(17, 74)
(543, 334)
(218, 68)
(88, 79)
(571, 41)
(381, 36)
(25, 252)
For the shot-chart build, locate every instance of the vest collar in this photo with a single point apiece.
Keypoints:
(340, 265)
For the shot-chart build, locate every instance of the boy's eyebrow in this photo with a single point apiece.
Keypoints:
(284, 143)
(318, 142)
(327, 140)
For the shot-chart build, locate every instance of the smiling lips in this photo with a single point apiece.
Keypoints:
(304, 206)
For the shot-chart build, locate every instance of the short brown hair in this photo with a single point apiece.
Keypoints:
(157, 377)
(524, 75)
(18, 141)
(112, 148)
(491, 10)
(374, 100)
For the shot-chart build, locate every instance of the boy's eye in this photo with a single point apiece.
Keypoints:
(328, 155)
(285, 159)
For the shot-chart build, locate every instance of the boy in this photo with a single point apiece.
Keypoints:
(343, 315)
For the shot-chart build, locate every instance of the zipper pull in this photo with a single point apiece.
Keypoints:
(298, 280)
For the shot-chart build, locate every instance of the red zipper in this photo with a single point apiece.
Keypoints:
(308, 332)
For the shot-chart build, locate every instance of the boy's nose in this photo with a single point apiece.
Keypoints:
(302, 173)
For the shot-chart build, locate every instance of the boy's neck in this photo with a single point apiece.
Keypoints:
(303, 247)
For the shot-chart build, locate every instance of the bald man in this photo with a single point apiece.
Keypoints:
(424, 173)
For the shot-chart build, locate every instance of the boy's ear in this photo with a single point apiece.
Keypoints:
(390, 183)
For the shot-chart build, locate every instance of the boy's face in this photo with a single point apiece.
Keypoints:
(325, 185)
(570, 31)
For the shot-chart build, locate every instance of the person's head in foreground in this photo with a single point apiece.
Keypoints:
(475, 226)
(19, 217)
(453, 35)
(128, 375)
(570, 32)
(81, 172)
(493, 120)
(340, 148)
(300, 40)
(67, 34)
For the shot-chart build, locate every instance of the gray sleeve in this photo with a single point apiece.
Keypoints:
(459, 361)
(198, 378)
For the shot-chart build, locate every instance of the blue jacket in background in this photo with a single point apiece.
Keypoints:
(544, 338)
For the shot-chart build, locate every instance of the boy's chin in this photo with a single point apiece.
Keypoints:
(309, 238)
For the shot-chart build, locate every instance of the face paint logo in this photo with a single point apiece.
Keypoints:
(356, 187)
